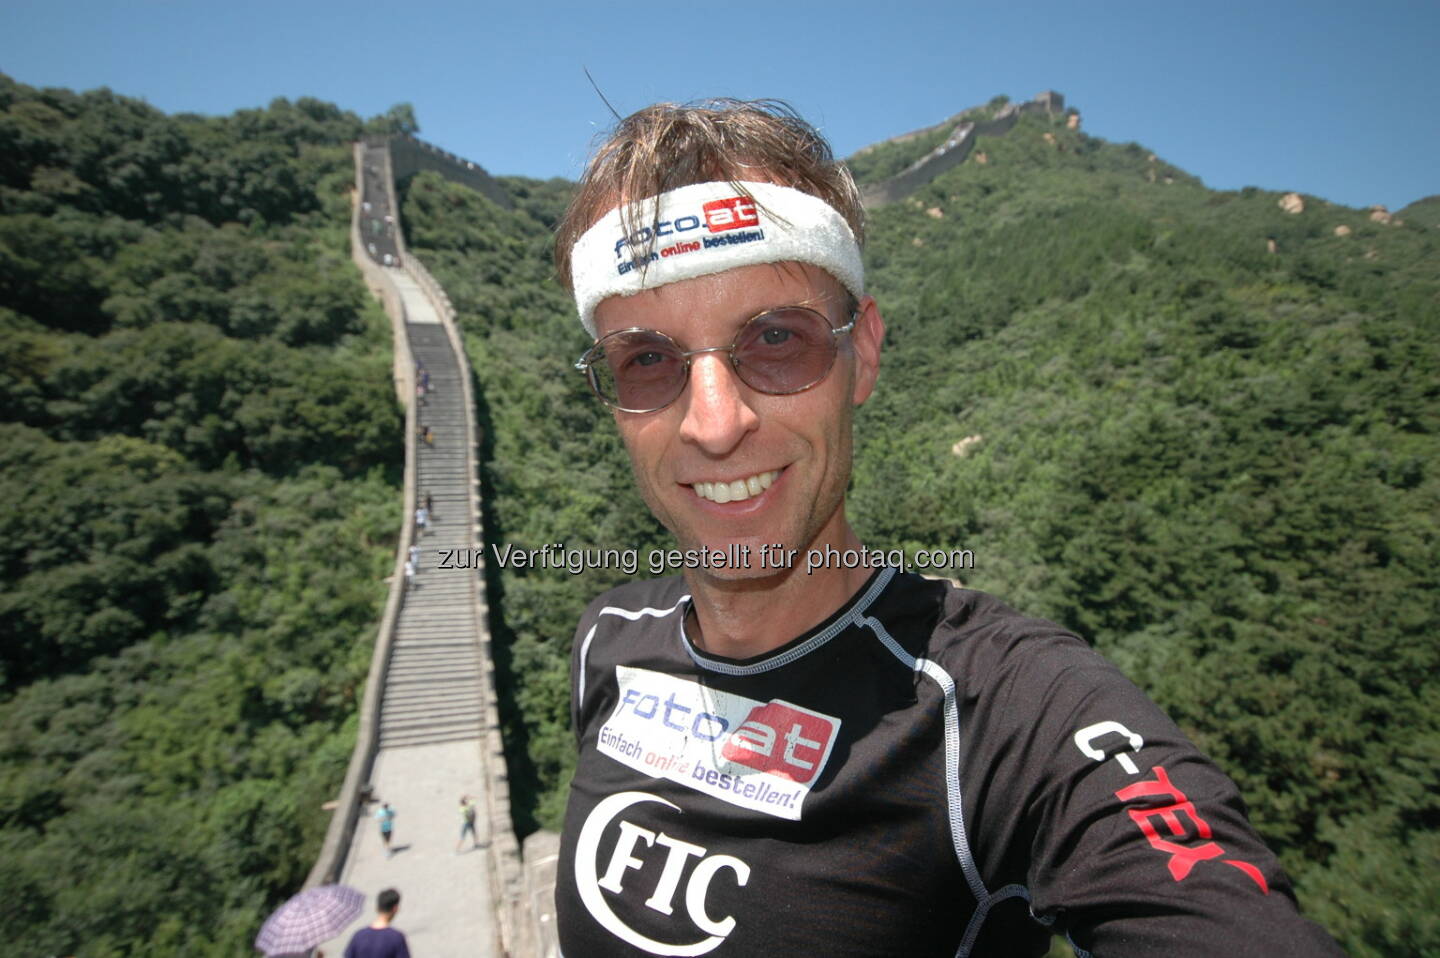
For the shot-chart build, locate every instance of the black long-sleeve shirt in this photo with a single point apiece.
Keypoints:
(925, 773)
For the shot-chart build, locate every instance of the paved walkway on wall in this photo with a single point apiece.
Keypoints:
(430, 726)
(419, 312)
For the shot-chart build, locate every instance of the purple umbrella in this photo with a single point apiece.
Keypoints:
(315, 915)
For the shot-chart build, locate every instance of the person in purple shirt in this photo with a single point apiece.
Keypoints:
(380, 940)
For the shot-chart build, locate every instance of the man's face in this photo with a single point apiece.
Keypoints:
(721, 431)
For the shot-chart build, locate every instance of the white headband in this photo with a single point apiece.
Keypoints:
(708, 228)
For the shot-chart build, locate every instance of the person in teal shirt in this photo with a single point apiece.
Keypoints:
(385, 815)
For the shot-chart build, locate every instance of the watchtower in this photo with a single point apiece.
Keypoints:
(1052, 102)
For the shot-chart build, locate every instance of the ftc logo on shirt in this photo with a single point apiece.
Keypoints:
(617, 867)
(764, 756)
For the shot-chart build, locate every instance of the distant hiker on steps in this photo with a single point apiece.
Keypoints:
(385, 815)
(467, 822)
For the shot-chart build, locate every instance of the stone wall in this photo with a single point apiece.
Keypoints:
(954, 150)
(336, 844)
(511, 903)
(409, 155)
(511, 913)
(516, 925)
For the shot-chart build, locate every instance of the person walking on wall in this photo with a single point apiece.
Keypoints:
(468, 812)
(385, 815)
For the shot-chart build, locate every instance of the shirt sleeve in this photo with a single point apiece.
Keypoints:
(1131, 841)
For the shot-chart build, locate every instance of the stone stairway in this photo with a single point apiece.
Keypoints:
(434, 691)
(428, 731)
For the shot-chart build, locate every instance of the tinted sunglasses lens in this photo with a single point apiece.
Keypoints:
(785, 351)
(638, 370)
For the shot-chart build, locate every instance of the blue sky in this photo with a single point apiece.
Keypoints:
(1336, 99)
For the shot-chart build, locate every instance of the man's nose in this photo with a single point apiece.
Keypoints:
(718, 413)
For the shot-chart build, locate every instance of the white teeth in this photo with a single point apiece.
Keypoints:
(723, 492)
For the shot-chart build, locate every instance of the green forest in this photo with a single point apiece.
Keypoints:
(1214, 461)
(200, 460)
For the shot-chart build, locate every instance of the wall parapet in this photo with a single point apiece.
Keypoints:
(411, 154)
(954, 150)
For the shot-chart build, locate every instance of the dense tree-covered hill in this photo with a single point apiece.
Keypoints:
(1214, 461)
(1423, 212)
(200, 457)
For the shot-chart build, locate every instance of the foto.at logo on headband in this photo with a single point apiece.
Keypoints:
(731, 213)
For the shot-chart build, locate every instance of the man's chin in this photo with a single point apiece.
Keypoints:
(736, 579)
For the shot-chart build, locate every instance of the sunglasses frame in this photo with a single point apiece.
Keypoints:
(586, 363)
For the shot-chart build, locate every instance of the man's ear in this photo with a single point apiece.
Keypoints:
(865, 338)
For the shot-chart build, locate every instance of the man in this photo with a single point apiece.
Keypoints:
(385, 815)
(467, 822)
(380, 940)
(785, 752)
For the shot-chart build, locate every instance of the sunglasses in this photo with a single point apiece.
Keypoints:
(778, 352)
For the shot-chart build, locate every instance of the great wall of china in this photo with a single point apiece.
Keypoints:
(955, 149)
(429, 731)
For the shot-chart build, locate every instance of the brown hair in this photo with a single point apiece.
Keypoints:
(668, 145)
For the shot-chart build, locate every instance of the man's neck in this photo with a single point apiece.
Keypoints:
(742, 618)
(383, 920)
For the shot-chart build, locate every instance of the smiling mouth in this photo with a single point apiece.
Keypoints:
(740, 489)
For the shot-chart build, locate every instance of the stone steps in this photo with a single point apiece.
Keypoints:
(434, 689)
